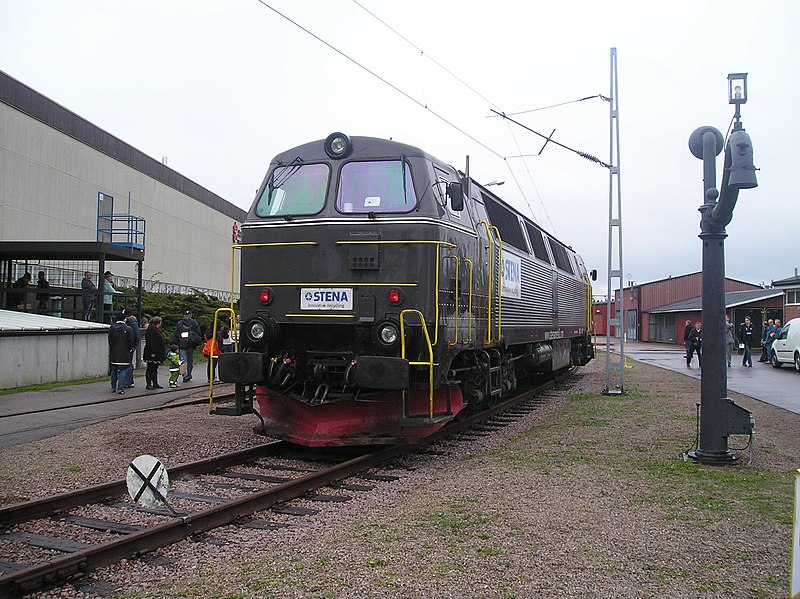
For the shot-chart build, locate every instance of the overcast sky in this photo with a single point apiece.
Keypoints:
(219, 88)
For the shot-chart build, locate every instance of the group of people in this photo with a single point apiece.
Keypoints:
(89, 296)
(693, 340)
(179, 357)
(18, 300)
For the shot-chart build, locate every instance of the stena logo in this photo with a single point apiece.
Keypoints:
(512, 277)
(329, 296)
(326, 298)
(510, 270)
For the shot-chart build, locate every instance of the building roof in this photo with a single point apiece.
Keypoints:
(732, 299)
(27, 100)
(686, 276)
(790, 282)
(14, 323)
(70, 250)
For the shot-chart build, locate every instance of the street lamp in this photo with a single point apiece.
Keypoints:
(494, 183)
(719, 415)
(737, 94)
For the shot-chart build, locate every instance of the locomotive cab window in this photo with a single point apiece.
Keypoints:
(296, 190)
(380, 186)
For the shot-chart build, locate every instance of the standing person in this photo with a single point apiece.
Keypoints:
(227, 340)
(42, 296)
(776, 331)
(187, 337)
(746, 338)
(120, 343)
(155, 352)
(17, 301)
(108, 296)
(88, 295)
(211, 352)
(131, 321)
(174, 363)
(768, 326)
(695, 345)
(686, 330)
(729, 339)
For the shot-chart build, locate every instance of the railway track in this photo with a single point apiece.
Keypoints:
(241, 484)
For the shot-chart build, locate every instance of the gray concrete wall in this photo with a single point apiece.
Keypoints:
(32, 359)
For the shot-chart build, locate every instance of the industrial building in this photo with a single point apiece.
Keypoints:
(656, 311)
(66, 180)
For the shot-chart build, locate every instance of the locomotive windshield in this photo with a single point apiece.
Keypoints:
(296, 189)
(379, 186)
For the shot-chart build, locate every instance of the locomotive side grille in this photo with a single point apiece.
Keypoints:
(535, 307)
(571, 301)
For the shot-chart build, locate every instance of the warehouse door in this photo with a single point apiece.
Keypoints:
(631, 328)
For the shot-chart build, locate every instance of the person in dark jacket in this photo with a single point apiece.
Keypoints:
(120, 343)
(187, 337)
(130, 320)
(686, 330)
(695, 345)
(155, 352)
(17, 301)
(43, 295)
(746, 337)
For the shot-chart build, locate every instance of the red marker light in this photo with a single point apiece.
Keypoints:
(265, 296)
(394, 296)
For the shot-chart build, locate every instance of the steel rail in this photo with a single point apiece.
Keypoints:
(38, 508)
(76, 564)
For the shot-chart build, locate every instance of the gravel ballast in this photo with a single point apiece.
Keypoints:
(585, 497)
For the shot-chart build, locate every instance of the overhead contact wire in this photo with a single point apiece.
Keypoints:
(374, 74)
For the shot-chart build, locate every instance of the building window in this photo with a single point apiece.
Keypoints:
(793, 297)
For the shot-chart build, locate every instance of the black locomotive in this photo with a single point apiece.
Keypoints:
(383, 292)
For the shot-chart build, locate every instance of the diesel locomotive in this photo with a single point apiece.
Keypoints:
(384, 293)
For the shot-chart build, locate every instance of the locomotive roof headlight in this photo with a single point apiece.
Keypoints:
(387, 333)
(337, 145)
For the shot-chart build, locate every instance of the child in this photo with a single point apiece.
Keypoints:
(174, 363)
(211, 352)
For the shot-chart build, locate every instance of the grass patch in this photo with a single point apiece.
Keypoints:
(47, 386)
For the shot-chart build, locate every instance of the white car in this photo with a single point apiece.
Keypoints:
(786, 348)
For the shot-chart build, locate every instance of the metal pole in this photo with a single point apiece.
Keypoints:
(719, 415)
(714, 377)
(619, 320)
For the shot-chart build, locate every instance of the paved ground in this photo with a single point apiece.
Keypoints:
(779, 387)
(30, 416)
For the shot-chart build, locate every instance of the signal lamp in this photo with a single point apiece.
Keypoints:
(337, 145)
(266, 296)
(395, 297)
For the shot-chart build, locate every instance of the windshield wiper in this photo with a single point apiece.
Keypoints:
(287, 172)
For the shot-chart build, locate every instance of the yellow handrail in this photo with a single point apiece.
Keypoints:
(212, 357)
(455, 340)
(469, 309)
(429, 363)
(499, 286)
(491, 280)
